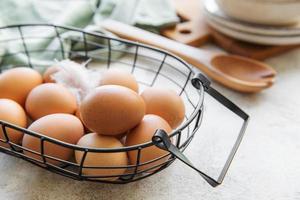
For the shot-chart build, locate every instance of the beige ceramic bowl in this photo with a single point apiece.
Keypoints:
(268, 12)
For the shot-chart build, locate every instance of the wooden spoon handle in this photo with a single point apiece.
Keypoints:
(197, 57)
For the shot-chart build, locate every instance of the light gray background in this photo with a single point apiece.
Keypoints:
(267, 165)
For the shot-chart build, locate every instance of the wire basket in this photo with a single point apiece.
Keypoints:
(151, 66)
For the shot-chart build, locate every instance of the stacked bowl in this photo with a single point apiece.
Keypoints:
(270, 22)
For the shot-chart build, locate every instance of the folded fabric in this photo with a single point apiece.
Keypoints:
(88, 15)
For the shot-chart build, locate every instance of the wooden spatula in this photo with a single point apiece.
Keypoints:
(236, 72)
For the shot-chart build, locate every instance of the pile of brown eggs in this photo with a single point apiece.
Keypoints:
(112, 115)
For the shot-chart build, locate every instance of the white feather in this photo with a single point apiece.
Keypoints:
(76, 77)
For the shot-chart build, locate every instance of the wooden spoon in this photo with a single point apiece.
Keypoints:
(236, 72)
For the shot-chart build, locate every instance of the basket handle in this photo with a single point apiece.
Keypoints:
(162, 140)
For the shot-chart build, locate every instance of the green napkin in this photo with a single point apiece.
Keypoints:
(86, 14)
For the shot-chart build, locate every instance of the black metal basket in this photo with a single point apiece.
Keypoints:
(160, 67)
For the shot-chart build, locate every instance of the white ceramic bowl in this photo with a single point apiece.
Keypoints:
(268, 12)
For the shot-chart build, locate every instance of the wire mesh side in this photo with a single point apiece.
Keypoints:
(135, 53)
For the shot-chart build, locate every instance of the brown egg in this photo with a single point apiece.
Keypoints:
(143, 133)
(16, 83)
(12, 112)
(50, 98)
(63, 127)
(165, 103)
(78, 115)
(118, 159)
(119, 77)
(112, 109)
(48, 73)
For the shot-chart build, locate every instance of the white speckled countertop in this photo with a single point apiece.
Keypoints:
(267, 165)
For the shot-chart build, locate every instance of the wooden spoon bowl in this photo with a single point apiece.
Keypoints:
(246, 71)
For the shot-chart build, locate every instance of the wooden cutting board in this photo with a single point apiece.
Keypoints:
(192, 30)
(195, 32)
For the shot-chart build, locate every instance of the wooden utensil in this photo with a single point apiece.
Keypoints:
(238, 73)
(193, 29)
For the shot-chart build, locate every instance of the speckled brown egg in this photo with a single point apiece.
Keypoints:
(12, 112)
(50, 98)
(119, 159)
(63, 127)
(112, 109)
(143, 133)
(119, 77)
(165, 103)
(16, 83)
(47, 76)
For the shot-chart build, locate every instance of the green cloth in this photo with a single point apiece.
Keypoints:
(86, 14)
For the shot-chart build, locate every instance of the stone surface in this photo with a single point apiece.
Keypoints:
(267, 165)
